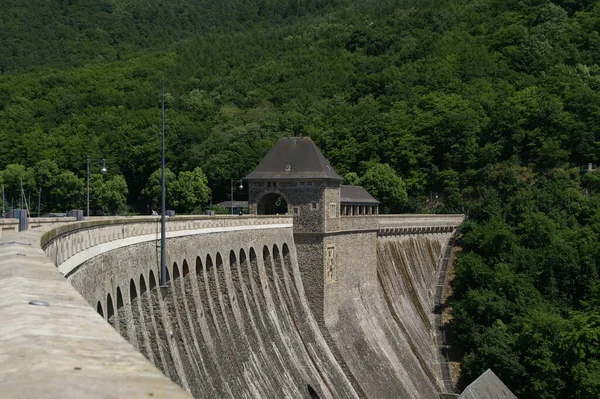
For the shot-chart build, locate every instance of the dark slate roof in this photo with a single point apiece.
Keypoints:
(356, 195)
(294, 158)
(487, 386)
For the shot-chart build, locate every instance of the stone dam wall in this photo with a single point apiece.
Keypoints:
(236, 320)
(232, 322)
(379, 316)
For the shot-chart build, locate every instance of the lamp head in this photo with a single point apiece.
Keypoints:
(103, 170)
(241, 186)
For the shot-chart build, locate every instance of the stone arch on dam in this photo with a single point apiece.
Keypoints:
(272, 203)
(238, 316)
(238, 300)
(232, 317)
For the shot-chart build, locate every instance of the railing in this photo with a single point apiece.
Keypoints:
(403, 224)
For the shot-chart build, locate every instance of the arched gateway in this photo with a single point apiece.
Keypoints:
(272, 204)
(295, 172)
(295, 178)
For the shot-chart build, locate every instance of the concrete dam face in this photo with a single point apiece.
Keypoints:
(236, 321)
(233, 321)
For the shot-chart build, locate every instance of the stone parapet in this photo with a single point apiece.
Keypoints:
(402, 224)
(39, 222)
(420, 220)
(11, 226)
(394, 231)
(8, 227)
(64, 350)
(359, 223)
(72, 244)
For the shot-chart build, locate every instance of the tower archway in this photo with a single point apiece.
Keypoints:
(272, 204)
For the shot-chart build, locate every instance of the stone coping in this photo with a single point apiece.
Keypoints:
(39, 220)
(426, 217)
(64, 350)
(402, 224)
(67, 350)
(92, 222)
(72, 244)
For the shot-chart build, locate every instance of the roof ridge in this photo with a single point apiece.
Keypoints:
(294, 158)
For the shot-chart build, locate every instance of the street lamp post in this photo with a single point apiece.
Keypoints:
(163, 198)
(433, 201)
(241, 187)
(103, 170)
(3, 201)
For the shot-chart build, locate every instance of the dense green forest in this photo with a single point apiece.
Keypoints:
(490, 105)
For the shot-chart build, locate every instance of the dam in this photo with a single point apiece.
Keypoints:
(331, 300)
(235, 319)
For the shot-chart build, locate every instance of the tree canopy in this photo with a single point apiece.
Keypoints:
(492, 105)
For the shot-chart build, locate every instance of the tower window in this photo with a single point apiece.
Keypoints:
(313, 206)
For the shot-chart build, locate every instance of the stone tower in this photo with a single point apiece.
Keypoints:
(295, 178)
(335, 227)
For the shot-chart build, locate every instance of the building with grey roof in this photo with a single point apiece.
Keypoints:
(295, 178)
(355, 200)
(487, 386)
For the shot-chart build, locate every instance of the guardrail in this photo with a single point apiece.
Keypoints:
(403, 224)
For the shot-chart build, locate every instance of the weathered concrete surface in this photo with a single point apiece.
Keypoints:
(234, 321)
(11, 226)
(64, 350)
(8, 227)
(378, 312)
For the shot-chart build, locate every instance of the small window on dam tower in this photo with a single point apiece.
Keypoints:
(331, 266)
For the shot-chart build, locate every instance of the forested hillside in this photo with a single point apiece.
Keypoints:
(492, 105)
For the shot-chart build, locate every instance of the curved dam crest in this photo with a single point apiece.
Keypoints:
(251, 310)
(235, 320)
(232, 322)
